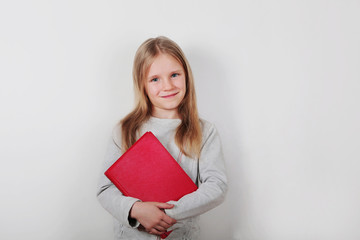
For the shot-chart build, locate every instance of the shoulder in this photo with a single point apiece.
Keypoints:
(206, 126)
(116, 135)
(208, 129)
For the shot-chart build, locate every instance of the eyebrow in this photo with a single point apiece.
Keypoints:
(152, 77)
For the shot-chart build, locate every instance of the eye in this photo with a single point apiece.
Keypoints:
(174, 75)
(154, 80)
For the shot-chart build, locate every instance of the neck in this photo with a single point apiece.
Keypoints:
(165, 114)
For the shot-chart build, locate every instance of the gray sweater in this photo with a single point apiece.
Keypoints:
(211, 191)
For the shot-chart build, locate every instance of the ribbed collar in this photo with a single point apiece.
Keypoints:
(165, 122)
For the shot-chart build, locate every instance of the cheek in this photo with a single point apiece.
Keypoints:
(182, 84)
(151, 90)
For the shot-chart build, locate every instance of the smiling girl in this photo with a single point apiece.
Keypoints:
(166, 106)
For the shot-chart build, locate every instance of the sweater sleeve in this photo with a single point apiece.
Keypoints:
(213, 181)
(109, 196)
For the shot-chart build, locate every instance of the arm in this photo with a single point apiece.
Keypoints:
(213, 187)
(109, 196)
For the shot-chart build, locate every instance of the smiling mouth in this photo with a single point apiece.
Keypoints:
(170, 95)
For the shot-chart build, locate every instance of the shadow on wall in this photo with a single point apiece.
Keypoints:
(219, 103)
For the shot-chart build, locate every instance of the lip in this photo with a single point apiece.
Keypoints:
(169, 96)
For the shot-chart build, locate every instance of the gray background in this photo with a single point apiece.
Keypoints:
(280, 79)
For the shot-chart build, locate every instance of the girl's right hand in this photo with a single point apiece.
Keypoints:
(152, 216)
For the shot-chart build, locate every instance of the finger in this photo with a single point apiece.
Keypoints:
(164, 225)
(164, 205)
(154, 231)
(160, 228)
(169, 220)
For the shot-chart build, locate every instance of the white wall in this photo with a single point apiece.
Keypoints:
(280, 79)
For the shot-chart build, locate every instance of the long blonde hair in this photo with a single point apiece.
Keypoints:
(188, 135)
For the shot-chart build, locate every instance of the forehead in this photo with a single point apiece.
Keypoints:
(164, 63)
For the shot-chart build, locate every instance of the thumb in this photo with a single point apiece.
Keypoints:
(165, 205)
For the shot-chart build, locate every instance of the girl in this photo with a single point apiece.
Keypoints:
(166, 106)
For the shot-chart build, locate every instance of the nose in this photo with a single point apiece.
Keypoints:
(168, 84)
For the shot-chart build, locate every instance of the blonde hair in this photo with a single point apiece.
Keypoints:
(188, 135)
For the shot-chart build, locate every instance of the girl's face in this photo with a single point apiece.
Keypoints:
(165, 86)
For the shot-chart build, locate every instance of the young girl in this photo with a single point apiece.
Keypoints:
(166, 106)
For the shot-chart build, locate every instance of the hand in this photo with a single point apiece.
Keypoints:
(152, 217)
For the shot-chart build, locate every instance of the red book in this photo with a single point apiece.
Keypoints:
(147, 171)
